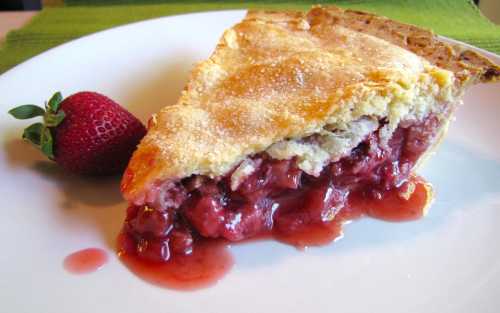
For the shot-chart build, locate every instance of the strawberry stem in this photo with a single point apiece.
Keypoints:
(47, 143)
(52, 120)
(40, 134)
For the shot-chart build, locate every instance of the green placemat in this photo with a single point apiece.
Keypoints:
(458, 19)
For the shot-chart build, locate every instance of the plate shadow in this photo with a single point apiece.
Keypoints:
(94, 201)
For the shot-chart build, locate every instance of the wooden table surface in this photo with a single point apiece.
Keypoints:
(13, 20)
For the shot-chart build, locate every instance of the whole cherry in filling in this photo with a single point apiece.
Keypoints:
(173, 232)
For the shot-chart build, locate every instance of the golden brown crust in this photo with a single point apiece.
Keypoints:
(280, 75)
(466, 64)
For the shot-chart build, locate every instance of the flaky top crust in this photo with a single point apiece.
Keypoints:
(467, 65)
(279, 75)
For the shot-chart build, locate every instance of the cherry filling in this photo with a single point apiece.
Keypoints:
(277, 197)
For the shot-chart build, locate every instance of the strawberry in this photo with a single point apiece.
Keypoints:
(86, 133)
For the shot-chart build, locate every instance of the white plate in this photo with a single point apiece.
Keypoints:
(447, 262)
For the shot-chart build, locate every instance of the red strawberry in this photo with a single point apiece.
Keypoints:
(86, 133)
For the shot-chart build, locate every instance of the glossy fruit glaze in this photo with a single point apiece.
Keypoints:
(277, 199)
(209, 261)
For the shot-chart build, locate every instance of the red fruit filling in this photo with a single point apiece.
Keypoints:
(277, 197)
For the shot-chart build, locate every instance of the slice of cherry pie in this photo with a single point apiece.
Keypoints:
(292, 115)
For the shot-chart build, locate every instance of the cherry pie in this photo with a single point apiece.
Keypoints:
(292, 115)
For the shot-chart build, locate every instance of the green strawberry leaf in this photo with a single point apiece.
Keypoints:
(47, 143)
(33, 134)
(40, 134)
(55, 102)
(52, 120)
(26, 111)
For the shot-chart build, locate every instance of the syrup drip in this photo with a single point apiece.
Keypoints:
(85, 261)
(209, 261)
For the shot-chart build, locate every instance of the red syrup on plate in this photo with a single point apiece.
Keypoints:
(211, 258)
(85, 261)
(392, 206)
(209, 261)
